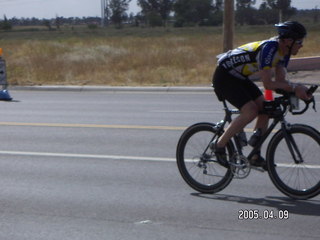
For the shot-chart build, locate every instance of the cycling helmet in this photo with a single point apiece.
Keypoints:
(291, 29)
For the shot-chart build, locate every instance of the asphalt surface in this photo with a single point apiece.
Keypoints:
(100, 165)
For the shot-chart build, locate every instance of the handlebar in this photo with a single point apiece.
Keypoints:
(312, 89)
(285, 100)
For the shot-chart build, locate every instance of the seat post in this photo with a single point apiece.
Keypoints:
(228, 113)
(224, 104)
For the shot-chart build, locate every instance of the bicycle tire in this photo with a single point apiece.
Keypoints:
(296, 180)
(198, 168)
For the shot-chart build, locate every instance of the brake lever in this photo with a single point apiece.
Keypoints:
(310, 91)
(314, 104)
(307, 102)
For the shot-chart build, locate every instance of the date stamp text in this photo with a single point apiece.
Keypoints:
(255, 214)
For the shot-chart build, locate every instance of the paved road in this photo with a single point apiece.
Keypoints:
(97, 165)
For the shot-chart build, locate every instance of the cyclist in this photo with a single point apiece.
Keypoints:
(230, 81)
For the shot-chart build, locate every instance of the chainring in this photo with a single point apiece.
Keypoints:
(240, 166)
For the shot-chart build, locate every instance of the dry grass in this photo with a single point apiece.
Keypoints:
(127, 57)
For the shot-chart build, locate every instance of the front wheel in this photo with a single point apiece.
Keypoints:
(196, 161)
(298, 179)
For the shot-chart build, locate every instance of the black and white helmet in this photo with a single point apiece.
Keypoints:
(291, 29)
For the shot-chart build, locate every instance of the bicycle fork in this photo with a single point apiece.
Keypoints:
(291, 143)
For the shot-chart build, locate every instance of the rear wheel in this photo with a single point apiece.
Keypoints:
(198, 164)
(301, 179)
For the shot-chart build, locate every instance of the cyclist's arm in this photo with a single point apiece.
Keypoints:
(268, 53)
(281, 82)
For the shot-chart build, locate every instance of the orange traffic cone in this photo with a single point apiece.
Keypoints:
(268, 95)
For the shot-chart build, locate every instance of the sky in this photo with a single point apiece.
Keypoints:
(84, 8)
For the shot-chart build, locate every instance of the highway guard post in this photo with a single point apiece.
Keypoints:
(4, 94)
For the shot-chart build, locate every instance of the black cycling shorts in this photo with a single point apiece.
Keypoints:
(236, 91)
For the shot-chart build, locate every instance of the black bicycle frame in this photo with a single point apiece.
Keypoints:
(292, 146)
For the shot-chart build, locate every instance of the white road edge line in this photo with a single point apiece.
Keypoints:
(117, 157)
(72, 155)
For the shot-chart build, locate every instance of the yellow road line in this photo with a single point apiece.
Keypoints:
(107, 126)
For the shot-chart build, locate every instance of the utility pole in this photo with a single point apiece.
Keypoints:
(228, 25)
(103, 12)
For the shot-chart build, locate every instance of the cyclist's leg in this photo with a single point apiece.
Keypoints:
(248, 113)
(241, 93)
(262, 124)
(262, 119)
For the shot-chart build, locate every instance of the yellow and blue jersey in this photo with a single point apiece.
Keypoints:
(253, 57)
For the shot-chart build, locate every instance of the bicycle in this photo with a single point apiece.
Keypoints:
(292, 155)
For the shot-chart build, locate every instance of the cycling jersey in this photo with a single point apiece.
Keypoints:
(252, 57)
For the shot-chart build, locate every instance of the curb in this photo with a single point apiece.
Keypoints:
(120, 89)
(304, 64)
(112, 89)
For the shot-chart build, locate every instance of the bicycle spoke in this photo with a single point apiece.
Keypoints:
(197, 163)
(301, 179)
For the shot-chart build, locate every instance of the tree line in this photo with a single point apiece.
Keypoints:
(179, 13)
(201, 12)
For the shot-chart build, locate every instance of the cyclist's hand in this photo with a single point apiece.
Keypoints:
(301, 92)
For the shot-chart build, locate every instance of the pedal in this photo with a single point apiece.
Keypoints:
(259, 169)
